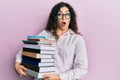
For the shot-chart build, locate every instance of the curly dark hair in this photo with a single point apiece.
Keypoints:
(52, 21)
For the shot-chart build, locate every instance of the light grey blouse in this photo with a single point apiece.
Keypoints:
(70, 55)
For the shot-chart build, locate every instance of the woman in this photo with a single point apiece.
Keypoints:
(71, 56)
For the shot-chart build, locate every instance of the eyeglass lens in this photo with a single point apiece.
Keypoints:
(67, 16)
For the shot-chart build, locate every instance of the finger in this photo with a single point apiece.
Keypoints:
(46, 75)
(24, 68)
(22, 73)
(46, 78)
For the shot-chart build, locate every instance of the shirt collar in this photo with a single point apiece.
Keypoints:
(69, 32)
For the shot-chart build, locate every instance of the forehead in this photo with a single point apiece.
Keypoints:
(64, 9)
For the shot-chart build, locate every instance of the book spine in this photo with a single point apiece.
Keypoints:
(36, 74)
(41, 47)
(36, 42)
(40, 39)
(36, 60)
(30, 39)
(41, 52)
(30, 59)
(34, 68)
(39, 64)
(43, 56)
(37, 55)
(39, 69)
(36, 36)
(32, 50)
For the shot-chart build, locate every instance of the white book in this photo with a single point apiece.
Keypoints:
(45, 64)
(36, 74)
(43, 56)
(41, 47)
(46, 69)
(47, 60)
(40, 52)
(46, 52)
(37, 55)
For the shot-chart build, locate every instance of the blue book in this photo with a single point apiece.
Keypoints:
(39, 69)
(36, 36)
(40, 64)
(26, 58)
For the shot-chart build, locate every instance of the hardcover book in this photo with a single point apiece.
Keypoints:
(39, 64)
(36, 42)
(36, 74)
(42, 52)
(36, 36)
(38, 51)
(44, 60)
(41, 47)
(41, 39)
(37, 55)
(39, 69)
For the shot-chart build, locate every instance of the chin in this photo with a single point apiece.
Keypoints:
(64, 28)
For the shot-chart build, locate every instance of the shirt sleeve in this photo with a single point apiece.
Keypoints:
(19, 56)
(80, 64)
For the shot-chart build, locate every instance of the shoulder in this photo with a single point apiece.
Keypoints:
(79, 39)
(77, 36)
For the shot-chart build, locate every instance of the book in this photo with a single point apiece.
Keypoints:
(39, 69)
(36, 42)
(42, 52)
(36, 39)
(41, 39)
(41, 47)
(39, 64)
(37, 60)
(37, 55)
(38, 51)
(36, 36)
(36, 74)
(32, 50)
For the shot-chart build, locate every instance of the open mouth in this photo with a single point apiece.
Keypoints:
(63, 23)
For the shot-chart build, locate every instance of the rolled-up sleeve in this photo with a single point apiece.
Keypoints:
(80, 65)
(18, 56)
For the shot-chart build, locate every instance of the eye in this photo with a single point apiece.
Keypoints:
(59, 14)
(67, 14)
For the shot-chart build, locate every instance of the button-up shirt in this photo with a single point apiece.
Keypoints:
(70, 55)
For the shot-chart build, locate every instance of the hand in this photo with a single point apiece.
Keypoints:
(20, 69)
(51, 77)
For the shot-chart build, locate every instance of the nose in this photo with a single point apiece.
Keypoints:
(63, 17)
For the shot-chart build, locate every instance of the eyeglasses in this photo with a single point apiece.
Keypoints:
(60, 16)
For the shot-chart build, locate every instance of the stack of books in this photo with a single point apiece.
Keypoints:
(37, 55)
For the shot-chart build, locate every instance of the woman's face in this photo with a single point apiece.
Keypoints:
(63, 18)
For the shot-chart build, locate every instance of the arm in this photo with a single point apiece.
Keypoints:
(18, 67)
(80, 62)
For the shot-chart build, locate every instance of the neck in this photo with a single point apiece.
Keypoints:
(61, 32)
